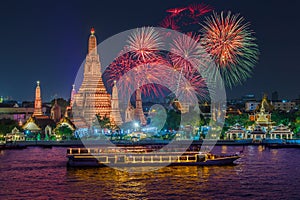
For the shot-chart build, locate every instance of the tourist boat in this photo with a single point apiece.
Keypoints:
(141, 157)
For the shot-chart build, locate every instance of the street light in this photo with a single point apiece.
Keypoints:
(136, 125)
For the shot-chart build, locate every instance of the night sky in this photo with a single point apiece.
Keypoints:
(47, 41)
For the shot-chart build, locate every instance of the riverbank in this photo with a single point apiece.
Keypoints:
(79, 143)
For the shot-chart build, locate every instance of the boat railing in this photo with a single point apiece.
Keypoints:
(127, 150)
(107, 157)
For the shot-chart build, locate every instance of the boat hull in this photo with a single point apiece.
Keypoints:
(93, 162)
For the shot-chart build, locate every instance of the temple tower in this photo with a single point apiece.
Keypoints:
(115, 111)
(138, 113)
(56, 112)
(92, 97)
(38, 101)
(129, 113)
(73, 93)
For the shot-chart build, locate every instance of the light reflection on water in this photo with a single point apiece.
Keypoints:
(42, 173)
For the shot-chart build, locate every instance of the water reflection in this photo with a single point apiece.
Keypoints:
(224, 149)
(114, 183)
(36, 173)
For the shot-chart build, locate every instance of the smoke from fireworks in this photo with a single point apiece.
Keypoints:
(231, 44)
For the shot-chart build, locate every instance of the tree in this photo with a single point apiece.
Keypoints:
(65, 132)
(103, 122)
(173, 119)
(6, 125)
(296, 124)
(242, 119)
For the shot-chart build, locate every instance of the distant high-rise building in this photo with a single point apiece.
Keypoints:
(284, 105)
(92, 97)
(248, 97)
(38, 101)
(274, 96)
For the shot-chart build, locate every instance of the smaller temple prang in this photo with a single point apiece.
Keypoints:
(56, 112)
(115, 111)
(73, 93)
(139, 114)
(38, 101)
(129, 113)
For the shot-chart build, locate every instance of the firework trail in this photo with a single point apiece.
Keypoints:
(232, 46)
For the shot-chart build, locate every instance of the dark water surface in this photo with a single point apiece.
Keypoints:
(38, 173)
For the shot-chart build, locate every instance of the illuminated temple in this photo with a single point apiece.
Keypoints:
(92, 97)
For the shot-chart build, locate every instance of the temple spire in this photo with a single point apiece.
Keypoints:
(56, 111)
(115, 111)
(92, 57)
(263, 102)
(92, 42)
(73, 92)
(91, 98)
(38, 101)
(139, 113)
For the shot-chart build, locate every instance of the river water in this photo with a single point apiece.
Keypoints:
(41, 173)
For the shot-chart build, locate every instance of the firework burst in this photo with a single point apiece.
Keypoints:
(175, 11)
(197, 10)
(231, 44)
(144, 43)
(192, 86)
(186, 18)
(169, 23)
(186, 53)
(148, 77)
(136, 72)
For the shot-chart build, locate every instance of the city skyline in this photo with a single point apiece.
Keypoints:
(50, 43)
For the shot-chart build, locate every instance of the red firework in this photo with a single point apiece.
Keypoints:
(192, 87)
(175, 11)
(197, 10)
(189, 60)
(149, 77)
(133, 72)
(169, 23)
(186, 17)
